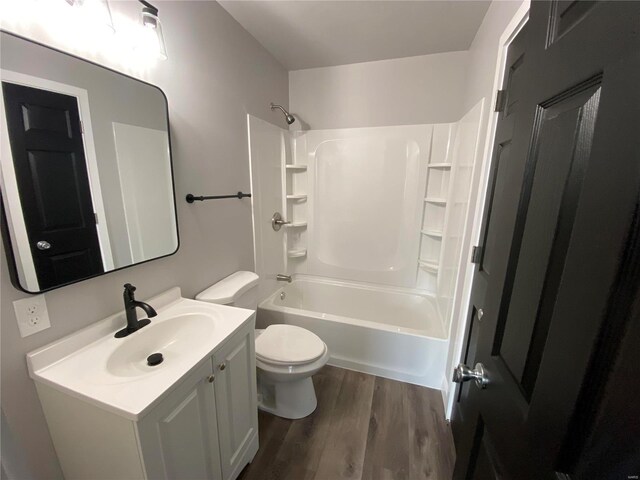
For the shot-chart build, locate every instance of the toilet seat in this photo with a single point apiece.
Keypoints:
(288, 345)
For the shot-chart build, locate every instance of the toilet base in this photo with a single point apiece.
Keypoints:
(292, 400)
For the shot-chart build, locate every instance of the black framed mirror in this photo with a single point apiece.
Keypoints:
(87, 174)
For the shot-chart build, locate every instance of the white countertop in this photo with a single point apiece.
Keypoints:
(112, 373)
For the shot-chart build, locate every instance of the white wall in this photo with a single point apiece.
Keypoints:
(216, 74)
(483, 53)
(405, 91)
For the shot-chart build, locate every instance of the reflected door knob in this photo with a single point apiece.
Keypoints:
(462, 374)
(43, 245)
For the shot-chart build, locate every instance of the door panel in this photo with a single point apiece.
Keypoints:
(53, 183)
(57, 202)
(182, 461)
(236, 398)
(483, 458)
(559, 217)
(561, 145)
(179, 437)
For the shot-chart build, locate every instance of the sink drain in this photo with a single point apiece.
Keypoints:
(154, 359)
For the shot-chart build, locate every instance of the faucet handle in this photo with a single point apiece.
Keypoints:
(128, 294)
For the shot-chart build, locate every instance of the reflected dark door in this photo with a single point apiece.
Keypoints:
(53, 183)
(558, 279)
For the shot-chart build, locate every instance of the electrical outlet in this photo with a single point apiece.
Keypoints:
(32, 314)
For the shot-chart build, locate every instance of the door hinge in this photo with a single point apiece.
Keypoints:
(476, 254)
(501, 100)
(81, 127)
(95, 217)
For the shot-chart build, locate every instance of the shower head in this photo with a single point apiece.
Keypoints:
(290, 118)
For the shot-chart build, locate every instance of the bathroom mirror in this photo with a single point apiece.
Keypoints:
(87, 183)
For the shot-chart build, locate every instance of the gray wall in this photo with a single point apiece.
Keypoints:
(112, 98)
(216, 74)
(403, 91)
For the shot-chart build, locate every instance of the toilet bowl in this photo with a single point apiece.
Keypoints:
(286, 356)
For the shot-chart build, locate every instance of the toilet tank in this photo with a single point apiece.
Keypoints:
(239, 289)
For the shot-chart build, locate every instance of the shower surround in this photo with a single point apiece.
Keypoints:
(378, 219)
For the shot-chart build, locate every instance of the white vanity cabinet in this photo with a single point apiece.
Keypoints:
(236, 401)
(179, 437)
(204, 427)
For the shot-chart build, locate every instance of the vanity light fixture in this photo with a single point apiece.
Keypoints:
(96, 12)
(152, 39)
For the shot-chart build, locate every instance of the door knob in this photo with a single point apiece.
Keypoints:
(43, 245)
(462, 374)
(211, 378)
(223, 366)
(277, 221)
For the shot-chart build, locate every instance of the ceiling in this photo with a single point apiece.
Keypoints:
(320, 33)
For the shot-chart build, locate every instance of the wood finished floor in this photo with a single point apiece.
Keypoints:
(365, 427)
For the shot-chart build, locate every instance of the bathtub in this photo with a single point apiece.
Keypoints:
(393, 333)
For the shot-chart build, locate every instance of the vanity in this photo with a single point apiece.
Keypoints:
(87, 188)
(192, 416)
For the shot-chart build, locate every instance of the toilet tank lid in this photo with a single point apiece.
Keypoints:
(229, 289)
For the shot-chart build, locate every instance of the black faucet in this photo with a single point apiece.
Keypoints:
(130, 305)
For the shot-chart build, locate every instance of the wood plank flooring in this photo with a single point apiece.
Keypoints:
(365, 427)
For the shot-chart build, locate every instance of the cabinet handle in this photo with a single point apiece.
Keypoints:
(223, 366)
(211, 378)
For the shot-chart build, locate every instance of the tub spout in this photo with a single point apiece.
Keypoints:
(281, 277)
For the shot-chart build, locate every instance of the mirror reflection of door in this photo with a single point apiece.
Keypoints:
(85, 164)
(53, 184)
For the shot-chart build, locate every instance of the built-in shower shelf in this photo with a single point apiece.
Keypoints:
(437, 201)
(438, 165)
(432, 233)
(297, 253)
(296, 225)
(296, 168)
(428, 266)
(296, 197)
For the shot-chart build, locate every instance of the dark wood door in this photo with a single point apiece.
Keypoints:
(553, 283)
(53, 184)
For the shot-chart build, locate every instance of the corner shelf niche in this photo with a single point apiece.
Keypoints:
(430, 267)
(431, 233)
(297, 197)
(437, 191)
(436, 200)
(297, 253)
(296, 168)
(295, 186)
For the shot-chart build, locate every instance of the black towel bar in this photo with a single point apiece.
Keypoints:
(192, 198)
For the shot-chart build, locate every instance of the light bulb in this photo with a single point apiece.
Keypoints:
(151, 38)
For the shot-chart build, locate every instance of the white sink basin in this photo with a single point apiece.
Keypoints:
(113, 372)
(173, 338)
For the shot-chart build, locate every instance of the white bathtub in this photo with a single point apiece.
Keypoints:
(392, 333)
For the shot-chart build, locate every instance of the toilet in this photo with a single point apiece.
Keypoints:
(286, 356)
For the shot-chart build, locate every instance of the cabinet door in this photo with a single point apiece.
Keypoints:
(236, 400)
(179, 437)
